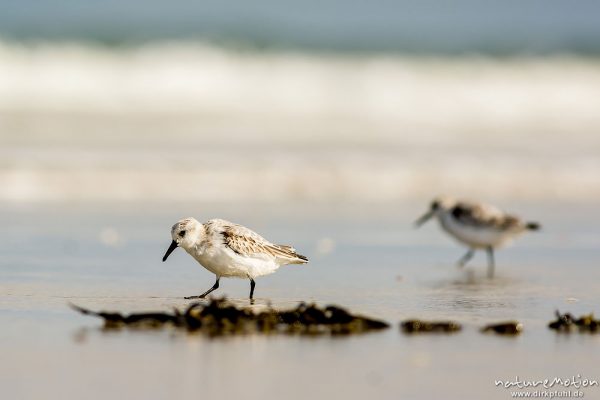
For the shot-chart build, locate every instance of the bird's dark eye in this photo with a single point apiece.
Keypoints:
(181, 233)
(435, 205)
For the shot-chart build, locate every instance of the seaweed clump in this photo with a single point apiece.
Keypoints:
(418, 326)
(568, 323)
(310, 319)
(219, 317)
(504, 328)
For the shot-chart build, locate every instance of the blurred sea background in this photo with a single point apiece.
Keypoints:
(273, 101)
(328, 125)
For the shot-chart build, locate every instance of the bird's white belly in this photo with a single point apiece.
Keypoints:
(478, 237)
(226, 263)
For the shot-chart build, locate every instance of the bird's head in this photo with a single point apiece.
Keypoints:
(439, 204)
(183, 234)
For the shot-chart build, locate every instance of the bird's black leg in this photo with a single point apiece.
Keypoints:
(465, 259)
(491, 263)
(252, 284)
(203, 295)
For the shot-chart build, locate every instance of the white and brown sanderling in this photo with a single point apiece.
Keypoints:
(477, 225)
(230, 250)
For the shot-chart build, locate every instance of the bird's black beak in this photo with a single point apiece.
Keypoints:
(172, 247)
(424, 218)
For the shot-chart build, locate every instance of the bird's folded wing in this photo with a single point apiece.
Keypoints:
(246, 242)
(482, 216)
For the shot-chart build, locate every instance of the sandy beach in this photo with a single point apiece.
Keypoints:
(377, 266)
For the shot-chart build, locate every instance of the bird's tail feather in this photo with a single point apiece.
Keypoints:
(303, 259)
(290, 253)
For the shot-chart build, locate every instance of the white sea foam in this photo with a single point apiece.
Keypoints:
(203, 79)
(82, 122)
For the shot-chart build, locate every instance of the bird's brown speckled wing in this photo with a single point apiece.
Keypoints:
(482, 216)
(246, 242)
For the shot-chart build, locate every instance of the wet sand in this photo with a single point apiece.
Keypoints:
(366, 258)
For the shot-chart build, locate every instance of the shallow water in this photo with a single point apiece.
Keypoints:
(366, 258)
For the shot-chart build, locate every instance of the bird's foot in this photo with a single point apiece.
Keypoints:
(193, 297)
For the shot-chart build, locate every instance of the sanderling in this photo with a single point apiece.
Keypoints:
(477, 225)
(230, 250)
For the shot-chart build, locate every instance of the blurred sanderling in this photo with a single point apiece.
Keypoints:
(479, 226)
(230, 250)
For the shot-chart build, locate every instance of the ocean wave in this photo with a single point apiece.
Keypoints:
(196, 78)
(167, 121)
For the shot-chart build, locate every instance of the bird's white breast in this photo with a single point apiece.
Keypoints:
(222, 261)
